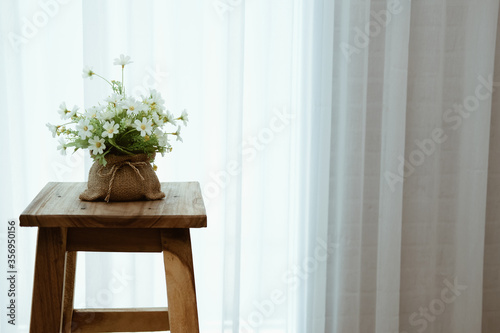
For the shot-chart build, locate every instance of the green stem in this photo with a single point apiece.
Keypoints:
(123, 86)
(129, 131)
(119, 148)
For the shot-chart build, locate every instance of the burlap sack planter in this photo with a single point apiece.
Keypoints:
(124, 178)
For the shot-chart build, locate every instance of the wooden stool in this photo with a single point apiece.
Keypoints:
(67, 225)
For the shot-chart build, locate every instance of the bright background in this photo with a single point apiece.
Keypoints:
(317, 104)
(237, 71)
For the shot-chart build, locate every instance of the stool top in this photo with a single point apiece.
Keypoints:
(58, 205)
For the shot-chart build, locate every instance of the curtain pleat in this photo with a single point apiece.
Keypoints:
(491, 265)
(410, 151)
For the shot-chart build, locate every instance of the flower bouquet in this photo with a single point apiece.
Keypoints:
(123, 135)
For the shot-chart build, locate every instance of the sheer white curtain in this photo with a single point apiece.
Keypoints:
(256, 80)
(250, 74)
(40, 60)
(414, 183)
(347, 153)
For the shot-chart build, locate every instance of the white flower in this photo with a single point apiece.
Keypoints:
(127, 122)
(114, 99)
(73, 111)
(178, 133)
(156, 119)
(169, 118)
(52, 129)
(110, 129)
(162, 137)
(154, 99)
(62, 146)
(163, 140)
(106, 114)
(84, 128)
(87, 72)
(65, 113)
(144, 126)
(62, 110)
(115, 103)
(97, 145)
(184, 117)
(160, 113)
(93, 111)
(132, 106)
(122, 61)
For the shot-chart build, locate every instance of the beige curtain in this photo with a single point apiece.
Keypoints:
(414, 213)
(491, 268)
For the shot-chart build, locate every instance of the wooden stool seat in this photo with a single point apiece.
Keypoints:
(67, 225)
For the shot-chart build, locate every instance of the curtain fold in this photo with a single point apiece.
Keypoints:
(410, 151)
(348, 153)
(491, 265)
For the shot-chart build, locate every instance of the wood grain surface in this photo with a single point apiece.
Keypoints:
(67, 225)
(179, 275)
(69, 291)
(121, 320)
(48, 287)
(114, 240)
(58, 205)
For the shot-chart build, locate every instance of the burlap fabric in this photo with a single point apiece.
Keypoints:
(124, 178)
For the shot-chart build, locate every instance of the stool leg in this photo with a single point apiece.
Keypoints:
(46, 306)
(181, 293)
(69, 291)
